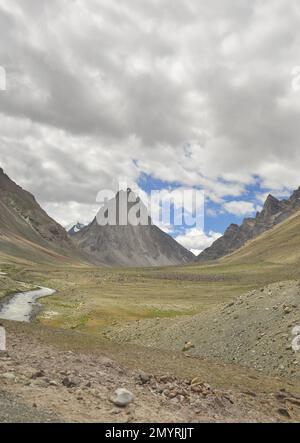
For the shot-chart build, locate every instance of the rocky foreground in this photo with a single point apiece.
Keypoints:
(41, 382)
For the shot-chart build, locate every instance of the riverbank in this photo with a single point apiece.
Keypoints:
(23, 306)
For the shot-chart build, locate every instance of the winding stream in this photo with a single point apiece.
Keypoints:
(23, 305)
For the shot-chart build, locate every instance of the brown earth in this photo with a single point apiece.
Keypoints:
(67, 377)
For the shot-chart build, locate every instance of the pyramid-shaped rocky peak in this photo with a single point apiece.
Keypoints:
(127, 207)
(130, 244)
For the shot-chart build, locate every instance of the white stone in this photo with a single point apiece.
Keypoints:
(122, 397)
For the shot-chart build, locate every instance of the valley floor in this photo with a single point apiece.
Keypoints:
(70, 377)
(65, 365)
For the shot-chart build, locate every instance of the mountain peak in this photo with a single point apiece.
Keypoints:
(120, 206)
(74, 229)
(271, 200)
(274, 212)
(295, 195)
(272, 205)
(126, 243)
(233, 227)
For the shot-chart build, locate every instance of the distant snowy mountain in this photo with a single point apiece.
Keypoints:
(74, 229)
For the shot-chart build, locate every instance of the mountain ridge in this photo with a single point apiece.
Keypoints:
(27, 230)
(235, 236)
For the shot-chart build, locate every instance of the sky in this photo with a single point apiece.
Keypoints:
(166, 94)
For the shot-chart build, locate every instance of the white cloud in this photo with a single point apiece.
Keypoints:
(196, 252)
(98, 90)
(71, 213)
(211, 212)
(261, 197)
(165, 228)
(240, 208)
(196, 240)
(296, 79)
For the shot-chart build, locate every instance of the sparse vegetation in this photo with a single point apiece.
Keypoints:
(91, 300)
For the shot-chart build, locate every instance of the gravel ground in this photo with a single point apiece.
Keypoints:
(78, 387)
(255, 330)
(14, 411)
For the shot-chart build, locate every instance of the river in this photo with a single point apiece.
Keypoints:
(23, 305)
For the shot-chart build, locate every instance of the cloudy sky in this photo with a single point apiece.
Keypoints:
(187, 93)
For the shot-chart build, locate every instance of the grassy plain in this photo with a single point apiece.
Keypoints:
(90, 298)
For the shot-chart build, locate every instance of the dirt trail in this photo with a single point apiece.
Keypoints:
(76, 386)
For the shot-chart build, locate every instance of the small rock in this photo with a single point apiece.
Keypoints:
(188, 345)
(115, 411)
(219, 402)
(39, 382)
(107, 362)
(196, 388)
(8, 376)
(284, 412)
(294, 401)
(38, 374)
(143, 378)
(160, 389)
(165, 378)
(173, 394)
(250, 393)
(3, 354)
(280, 396)
(70, 382)
(122, 397)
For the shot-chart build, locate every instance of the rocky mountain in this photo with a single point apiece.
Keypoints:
(26, 230)
(274, 212)
(129, 245)
(74, 229)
